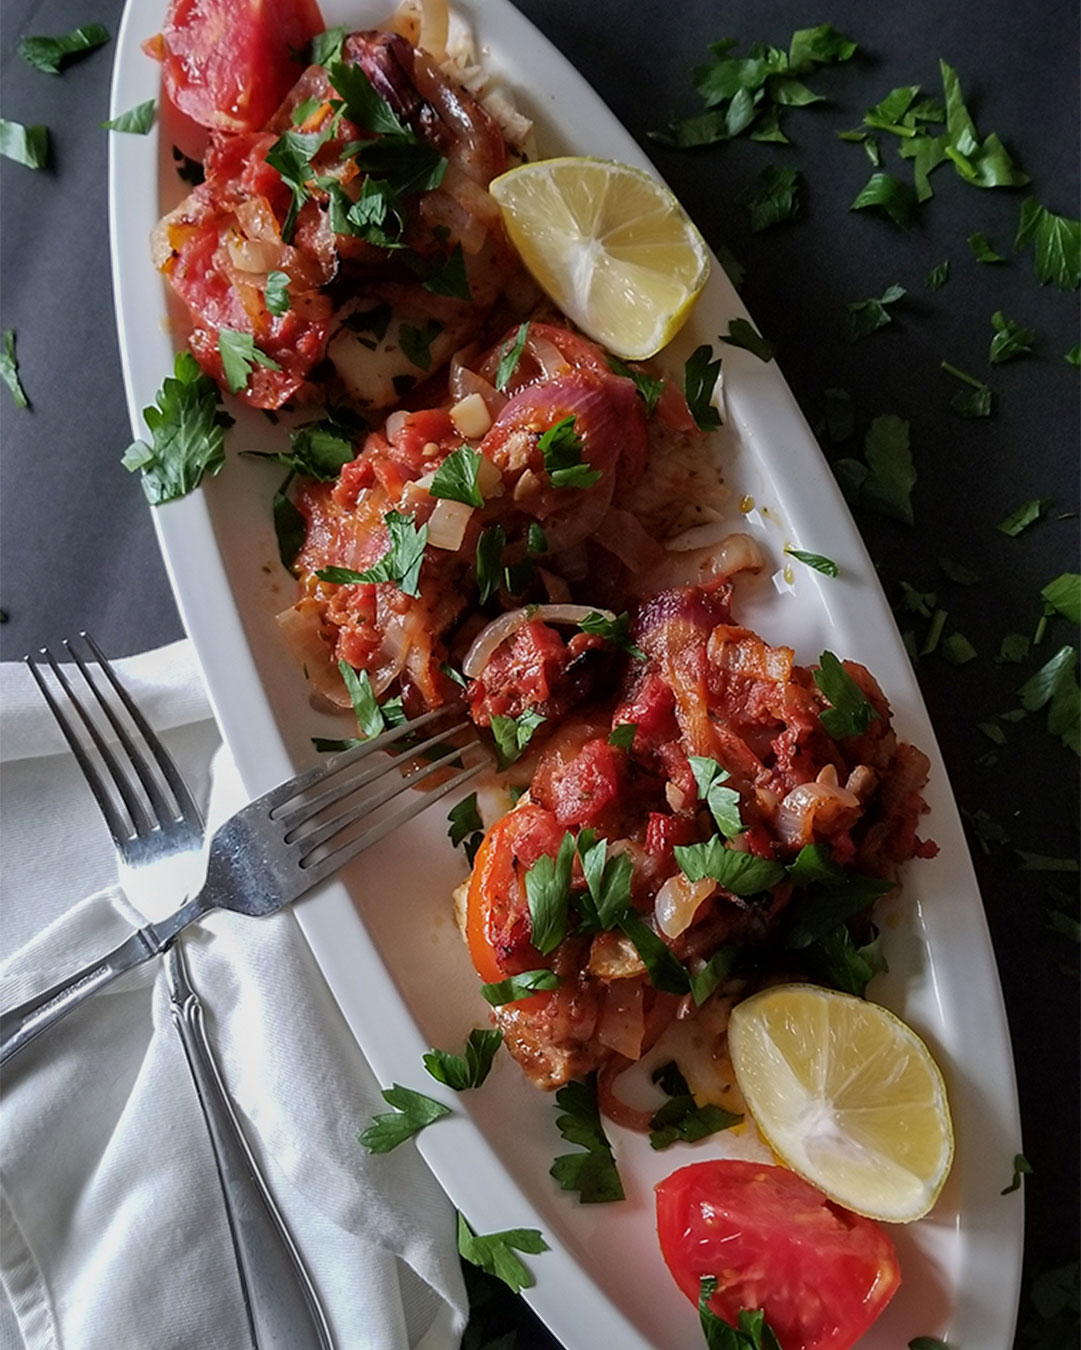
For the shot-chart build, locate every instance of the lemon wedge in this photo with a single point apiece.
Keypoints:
(847, 1096)
(610, 245)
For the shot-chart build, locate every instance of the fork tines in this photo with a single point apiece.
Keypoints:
(340, 808)
(136, 785)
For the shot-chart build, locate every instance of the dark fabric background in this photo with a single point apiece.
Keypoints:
(78, 548)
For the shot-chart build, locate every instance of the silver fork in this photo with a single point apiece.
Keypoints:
(273, 851)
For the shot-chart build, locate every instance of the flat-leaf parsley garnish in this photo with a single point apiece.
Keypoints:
(1011, 340)
(884, 480)
(187, 437)
(700, 375)
(9, 370)
(752, 1331)
(49, 54)
(239, 357)
(413, 1112)
(548, 891)
(743, 334)
(892, 196)
(975, 400)
(466, 826)
(462, 1072)
(135, 121)
(496, 1252)
(616, 632)
(28, 146)
(722, 801)
(865, 316)
(561, 447)
(775, 200)
(851, 712)
(741, 873)
(593, 1174)
(513, 734)
(401, 563)
(818, 561)
(456, 477)
(514, 987)
(1056, 243)
(277, 293)
(681, 1119)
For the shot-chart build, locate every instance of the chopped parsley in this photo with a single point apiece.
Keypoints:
(743, 334)
(49, 54)
(866, 316)
(884, 480)
(187, 436)
(442, 275)
(1055, 687)
(239, 356)
(466, 826)
(510, 356)
(648, 387)
(850, 712)
(985, 163)
(416, 343)
(722, 801)
(700, 375)
(982, 250)
(740, 873)
(662, 965)
(622, 736)
(9, 370)
(1021, 1168)
(975, 400)
(326, 47)
(548, 890)
(561, 447)
(775, 200)
(608, 882)
(28, 146)
(751, 1332)
(496, 1252)
(490, 546)
(818, 561)
(957, 649)
(893, 197)
(1064, 595)
(513, 734)
(1011, 339)
(292, 155)
(1025, 515)
(938, 276)
(593, 1173)
(135, 121)
(372, 719)
(319, 450)
(1056, 243)
(413, 1111)
(277, 293)
(462, 1072)
(616, 632)
(519, 986)
(681, 1119)
(709, 977)
(456, 477)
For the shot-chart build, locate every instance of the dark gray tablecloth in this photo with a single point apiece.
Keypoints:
(78, 548)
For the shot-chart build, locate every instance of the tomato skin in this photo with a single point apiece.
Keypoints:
(227, 63)
(821, 1275)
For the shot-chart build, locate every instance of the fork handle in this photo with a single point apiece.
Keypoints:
(19, 1025)
(282, 1308)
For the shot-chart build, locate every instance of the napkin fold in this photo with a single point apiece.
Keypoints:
(113, 1234)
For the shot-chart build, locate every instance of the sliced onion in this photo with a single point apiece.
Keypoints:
(251, 255)
(697, 566)
(547, 355)
(394, 424)
(434, 24)
(622, 1023)
(258, 221)
(497, 632)
(622, 534)
(300, 627)
(464, 382)
(677, 903)
(822, 803)
(448, 523)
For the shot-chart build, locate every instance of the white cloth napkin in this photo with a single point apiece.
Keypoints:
(112, 1231)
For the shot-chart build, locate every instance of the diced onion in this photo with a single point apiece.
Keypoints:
(395, 422)
(497, 632)
(471, 417)
(677, 903)
(447, 524)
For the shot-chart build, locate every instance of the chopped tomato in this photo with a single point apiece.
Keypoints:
(229, 63)
(820, 1274)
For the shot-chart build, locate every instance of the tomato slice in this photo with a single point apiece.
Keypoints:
(820, 1274)
(229, 63)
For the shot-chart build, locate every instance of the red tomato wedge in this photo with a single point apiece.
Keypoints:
(228, 64)
(820, 1274)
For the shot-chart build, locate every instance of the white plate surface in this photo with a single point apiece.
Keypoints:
(384, 935)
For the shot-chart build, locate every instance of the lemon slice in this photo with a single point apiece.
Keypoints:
(610, 245)
(846, 1095)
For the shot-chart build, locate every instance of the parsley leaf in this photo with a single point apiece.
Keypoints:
(865, 316)
(1055, 687)
(608, 881)
(548, 890)
(1056, 242)
(593, 1174)
(239, 355)
(519, 986)
(984, 163)
(495, 1252)
(290, 526)
(835, 957)
(1021, 1168)
(187, 439)
(1011, 339)
(456, 477)
(464, 820)
(722, 801)
(752, 1331)
(622, 736)
(982, 250)
(894, 198)
(48, 54)
(28, 146)
(277, 293)
(818, 561)
(510, 356)
(469, 1071)
(700, 375)
(292, 154)
(616, 632)
(850, 712)
(413, 1111)
(402, 561)
(372, 720)
(490, 546)
(663, 967)
(513, 734)
(648, 387)
(561, 447)
(1064, 595)
(884, 482)
(416, 343)
(1028, 513)
(938, 276)
(444, 275)
(741, 873)
(681, 1119)
(326, 48)
(319, 450)
(976, 400)
(9, 370)
(776, 199)
(713, 974)
(136, 121)
(741, 333)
